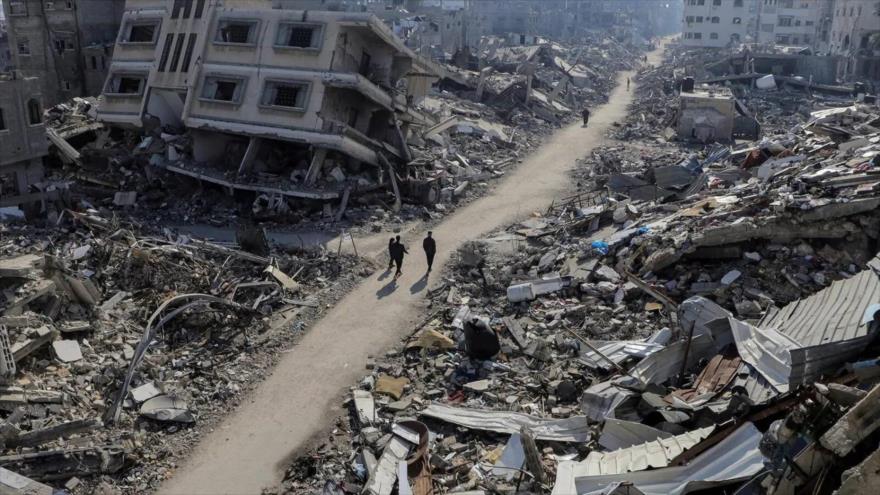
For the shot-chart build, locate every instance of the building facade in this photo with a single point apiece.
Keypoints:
(855, 36)
(320, 86)
(5, 50)
(65, 43)
(718, 23)
(23, 142)
(793, 22)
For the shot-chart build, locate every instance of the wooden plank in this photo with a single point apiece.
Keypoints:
(44, 435)
(533, 458)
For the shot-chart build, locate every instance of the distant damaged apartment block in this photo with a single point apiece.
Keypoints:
(287, 103)
(65, 43)
(23, 141)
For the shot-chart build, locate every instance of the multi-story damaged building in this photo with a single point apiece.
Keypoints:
(794, 22)
(719, 23)
(855, 36)
(23, 141)
(301, 104)
(66, 43)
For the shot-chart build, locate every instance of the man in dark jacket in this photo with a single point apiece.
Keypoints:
(399, 251)
(586, 115)
(390, 254)
(430, 248)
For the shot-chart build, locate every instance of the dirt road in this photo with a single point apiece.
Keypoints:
(252, 446)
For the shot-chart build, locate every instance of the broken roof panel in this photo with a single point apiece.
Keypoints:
(608, 400)
(572, 429)
(735, 458)
(619, 434)
(654, 454)
(828, 327)
(663, 364)
(833, 314)
(618, 352)
(755, 386)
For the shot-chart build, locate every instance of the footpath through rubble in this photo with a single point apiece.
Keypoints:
(124, 341)
(694, 317)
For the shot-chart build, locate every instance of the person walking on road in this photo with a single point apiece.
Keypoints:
(390, 254)
(586, 115)
(627, 84)
(399, 252)
(430, 247)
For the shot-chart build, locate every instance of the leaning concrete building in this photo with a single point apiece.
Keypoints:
(301, 104)
(66, 43)
(23, 141)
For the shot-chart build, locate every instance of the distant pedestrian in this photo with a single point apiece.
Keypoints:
(627, 84)
(430, 247)
(399, 251)
(586, 115)
(390, 254)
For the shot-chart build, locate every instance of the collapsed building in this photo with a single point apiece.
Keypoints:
(291, 103)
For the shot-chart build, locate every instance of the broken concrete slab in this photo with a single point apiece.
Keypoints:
(67, 351)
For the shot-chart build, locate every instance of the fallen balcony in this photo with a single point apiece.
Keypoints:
(277, 186)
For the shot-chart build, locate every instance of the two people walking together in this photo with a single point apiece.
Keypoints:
(397, 250)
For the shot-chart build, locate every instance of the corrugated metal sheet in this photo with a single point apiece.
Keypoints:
(737, 457)
(828, 326)
(654, 454)
(756, 387)
(619, 434)
(831, 315)
(617, 352)
(572, 429)
(661, 365)
(608, 400)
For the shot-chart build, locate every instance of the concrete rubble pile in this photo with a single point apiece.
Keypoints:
(485, 125)
(472, 129)
(779, 102)
(693, 318)
(118, 347)
(655, 100)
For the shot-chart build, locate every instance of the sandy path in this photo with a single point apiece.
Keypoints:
(250, 448)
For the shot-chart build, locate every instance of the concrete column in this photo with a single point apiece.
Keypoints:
(250, 154)
(315, 167)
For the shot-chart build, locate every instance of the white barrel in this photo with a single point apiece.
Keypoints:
(520, 292)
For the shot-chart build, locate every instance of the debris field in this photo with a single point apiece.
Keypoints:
(693, 317)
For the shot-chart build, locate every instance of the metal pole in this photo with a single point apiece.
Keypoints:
(687, 350)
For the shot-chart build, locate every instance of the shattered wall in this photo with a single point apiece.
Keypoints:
(706, 118)
(20, 138)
